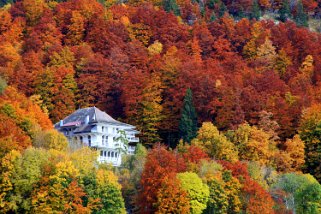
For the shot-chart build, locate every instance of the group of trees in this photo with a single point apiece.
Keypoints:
(136, 61)
(39, 173)
(242, 94)
(187, 180)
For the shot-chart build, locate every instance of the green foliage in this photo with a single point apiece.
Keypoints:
(3, 84)
(198, 192)
(309, 199)
(213, 17)
(215, 143)
(301, 18)
(293, 185)
(51, 139)
(285, 11)
(103, 185)
(211, 3)
(8, 110)
(188, 121)
(171, 6)
(256, 11)
(222, 9)
(130, 175)
(311, 135)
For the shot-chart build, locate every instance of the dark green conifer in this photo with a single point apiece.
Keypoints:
(285, 11)
(171, 6)
(188, 121)
(301, 18)
(213, 17)
(222, 9)
(256, 11)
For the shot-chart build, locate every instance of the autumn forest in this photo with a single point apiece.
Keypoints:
(226, 96)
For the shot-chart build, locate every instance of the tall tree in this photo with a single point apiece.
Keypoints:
(301, 18)
(310, 133)
(256, 11)
(188, 121)
(285, 11)
(171, 6)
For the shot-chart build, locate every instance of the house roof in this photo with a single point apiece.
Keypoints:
(95, 116)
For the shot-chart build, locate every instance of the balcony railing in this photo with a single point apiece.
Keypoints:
(133, 139)
(114, 161)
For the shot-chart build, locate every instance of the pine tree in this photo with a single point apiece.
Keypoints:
(256, 11)
(171, 5)
(301, 18)
(188, 121)
(213, 17)
(222, 9)
(285, 11)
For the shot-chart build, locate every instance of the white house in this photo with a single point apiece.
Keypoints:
(94, 128)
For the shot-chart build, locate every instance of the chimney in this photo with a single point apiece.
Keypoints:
(87, 119)
(61, 123)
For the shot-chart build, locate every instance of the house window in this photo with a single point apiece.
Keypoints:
(89, 140)
(101, 153)
(112, 154)
(103, 139)
(105, 153)
(102, 129)
(116, 154)
(109, 154)
(81, 139)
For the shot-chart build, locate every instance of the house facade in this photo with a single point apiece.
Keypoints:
(95, 128)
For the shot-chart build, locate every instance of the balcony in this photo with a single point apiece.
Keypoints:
(133, 139)
(131, 150)
(109, 160)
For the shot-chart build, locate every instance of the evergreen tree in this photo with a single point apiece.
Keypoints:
(171, 5)
(285, 11)
(256, 11)
(301, 18)
(188, 121)
(211, 4)
(213, 17)
(222, 9)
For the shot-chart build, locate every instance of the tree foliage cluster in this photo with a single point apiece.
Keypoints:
(197, 184)
(167, 67)
(137, 61)
(39, 173)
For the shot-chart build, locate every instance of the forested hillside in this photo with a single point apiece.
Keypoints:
(226, 96)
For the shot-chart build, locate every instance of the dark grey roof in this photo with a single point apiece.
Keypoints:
(95, 115)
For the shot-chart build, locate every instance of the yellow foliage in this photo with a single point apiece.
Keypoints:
(254, 144)
(215, 143)
(307, 66)
(107, 177)
(155, 48)
(292, 158)
(84, 160)
(250, 48)
(64, 170)
(141, 32)
(33, 9)
(282, 61)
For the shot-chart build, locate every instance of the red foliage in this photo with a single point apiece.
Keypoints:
(160, 165)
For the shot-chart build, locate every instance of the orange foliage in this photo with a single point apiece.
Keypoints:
(160, 165)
